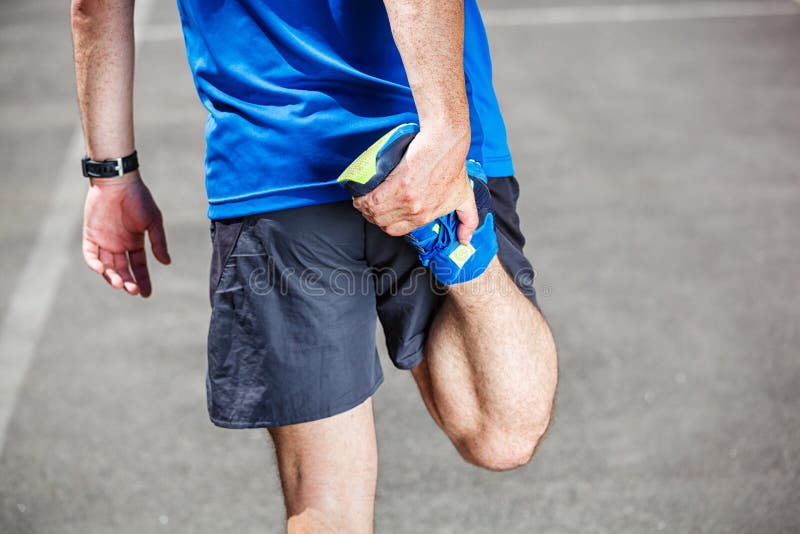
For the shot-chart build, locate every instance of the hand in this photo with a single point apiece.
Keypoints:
(116, 215)
(430, 181)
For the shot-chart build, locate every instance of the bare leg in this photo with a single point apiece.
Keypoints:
(490, 371)
(328, 472)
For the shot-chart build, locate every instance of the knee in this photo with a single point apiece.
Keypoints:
(499, 449)
(498, 457)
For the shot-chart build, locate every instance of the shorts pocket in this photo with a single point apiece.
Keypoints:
(224, 236)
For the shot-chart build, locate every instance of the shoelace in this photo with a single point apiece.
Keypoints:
(431, 246)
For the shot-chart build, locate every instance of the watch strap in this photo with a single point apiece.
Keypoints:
(109, 168)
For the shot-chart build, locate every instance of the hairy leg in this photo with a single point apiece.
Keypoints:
(490, 371)
(328, 471)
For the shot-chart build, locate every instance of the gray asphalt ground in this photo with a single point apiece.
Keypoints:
(660, 171)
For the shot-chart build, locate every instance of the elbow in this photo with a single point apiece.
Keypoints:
(81, 13)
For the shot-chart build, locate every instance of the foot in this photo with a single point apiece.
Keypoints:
(436, 242)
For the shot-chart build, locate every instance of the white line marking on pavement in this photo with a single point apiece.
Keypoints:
(541, 16)
(37, 286)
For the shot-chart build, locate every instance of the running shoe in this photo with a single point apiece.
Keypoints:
(436, 243)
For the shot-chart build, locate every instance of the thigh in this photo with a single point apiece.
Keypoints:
(328, 472)
(292, 327)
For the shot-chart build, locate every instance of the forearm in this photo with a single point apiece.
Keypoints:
(430, 38)
(102, 34)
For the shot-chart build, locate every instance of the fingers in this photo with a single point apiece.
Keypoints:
(468, 220)
(91, 256)
(398, 222)
(111, 275)
(123, 269)
(406, 213)
(399, 229)
(116, 271)
(401, 204)
(138, 263)
(158, 241)
(399, 217)
(114, 267)
(387, 198)
(401, 213)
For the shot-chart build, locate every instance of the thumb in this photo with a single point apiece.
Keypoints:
(158, 241)
(468, 219)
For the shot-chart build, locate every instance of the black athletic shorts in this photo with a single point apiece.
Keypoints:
(296, 295)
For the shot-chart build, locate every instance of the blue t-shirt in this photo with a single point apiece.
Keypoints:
(297, 89)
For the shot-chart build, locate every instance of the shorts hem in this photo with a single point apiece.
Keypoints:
(409, 363)
(274, 424)
(528, 291)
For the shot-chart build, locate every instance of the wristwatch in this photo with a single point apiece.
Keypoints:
(109, 168)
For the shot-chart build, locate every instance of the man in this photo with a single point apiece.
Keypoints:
(296, 91)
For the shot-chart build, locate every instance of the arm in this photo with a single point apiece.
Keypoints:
(118, 211)
(431, 180)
